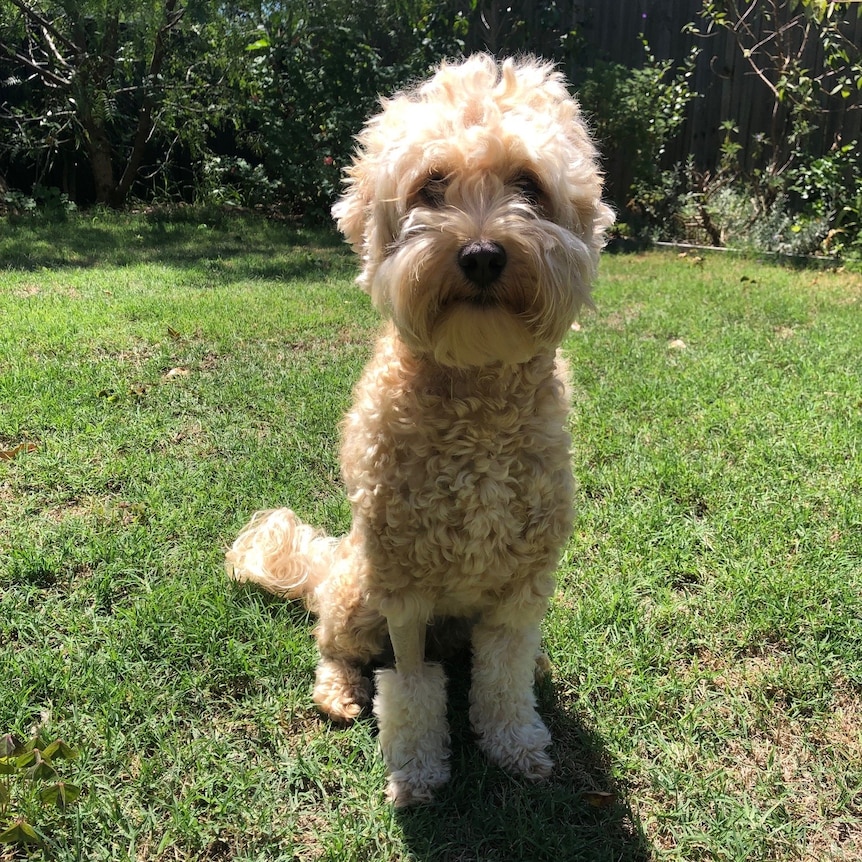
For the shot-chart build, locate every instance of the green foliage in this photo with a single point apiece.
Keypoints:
(542, 27)
(109, 82)
(301, 123)
(316, 72)
(780, 228)
(29, 780)
(830, 189)
(634, 114)
(256, 105)
(813, 208)
(264, 100)
(49, 203)
(232, 181)
(778, 52)
(16, 202)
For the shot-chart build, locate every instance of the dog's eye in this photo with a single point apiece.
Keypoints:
(433, 192)
(530, 190)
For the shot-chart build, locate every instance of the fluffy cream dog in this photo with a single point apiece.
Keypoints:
(474, 202)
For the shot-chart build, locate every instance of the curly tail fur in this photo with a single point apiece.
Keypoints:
(282, 555)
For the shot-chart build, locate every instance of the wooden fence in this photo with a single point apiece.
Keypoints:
(728, 88)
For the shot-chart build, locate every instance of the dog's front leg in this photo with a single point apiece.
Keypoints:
(502, 701)
(410, 707)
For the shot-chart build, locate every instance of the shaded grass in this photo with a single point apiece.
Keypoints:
(173, 376)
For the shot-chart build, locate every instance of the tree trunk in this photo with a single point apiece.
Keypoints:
(145, 113)
(101, 164)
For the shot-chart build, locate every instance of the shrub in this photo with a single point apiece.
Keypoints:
(635, 113)
(30, 782)
(813, 207)
(829, 189)
(312, 84)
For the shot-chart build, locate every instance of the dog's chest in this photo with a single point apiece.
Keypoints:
(463, 493)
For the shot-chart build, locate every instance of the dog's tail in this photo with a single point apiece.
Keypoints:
(276, 551)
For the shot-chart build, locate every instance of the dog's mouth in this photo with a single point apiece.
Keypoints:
(484, 299)
(487, 300)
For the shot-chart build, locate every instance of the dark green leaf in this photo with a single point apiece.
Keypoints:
(9, 745)
(20, 832)
(40, 768)
(58, 750)
(60, 794)
(22, 761)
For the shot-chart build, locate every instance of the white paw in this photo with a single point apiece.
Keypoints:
(416, 784)
(519, 748)
(414, 736)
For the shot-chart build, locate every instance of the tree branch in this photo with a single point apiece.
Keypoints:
(58, 56)
(33, 15)
(45, 74)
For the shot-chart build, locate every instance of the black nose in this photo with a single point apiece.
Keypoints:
(482, 261)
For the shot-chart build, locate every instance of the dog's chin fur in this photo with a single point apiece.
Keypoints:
(455, 455)
(468, 335)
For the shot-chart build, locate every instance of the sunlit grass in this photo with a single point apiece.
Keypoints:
(161, 379)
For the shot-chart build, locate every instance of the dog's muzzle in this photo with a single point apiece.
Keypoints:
(482, 262)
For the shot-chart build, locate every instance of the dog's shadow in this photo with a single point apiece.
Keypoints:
(484, 813)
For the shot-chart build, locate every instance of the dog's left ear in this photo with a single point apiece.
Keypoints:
(351, 211)
(368, 219)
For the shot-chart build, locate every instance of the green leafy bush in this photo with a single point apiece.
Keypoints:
(773, 191)
(316, 73)
(829, 189)
(813, 208)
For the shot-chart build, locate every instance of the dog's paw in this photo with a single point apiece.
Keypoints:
(341, 691)
(414, 735)
(543, 669)
(520, 748)
(416, 785)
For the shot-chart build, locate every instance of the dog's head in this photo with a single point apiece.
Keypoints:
(474, 202)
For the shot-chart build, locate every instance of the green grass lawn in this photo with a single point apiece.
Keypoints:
(161, 379)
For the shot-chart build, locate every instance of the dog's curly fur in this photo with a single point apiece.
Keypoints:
(475, 205)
